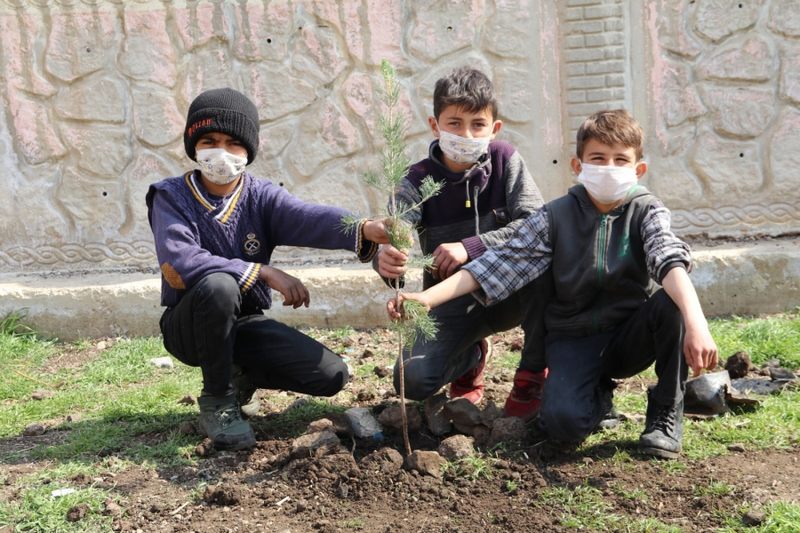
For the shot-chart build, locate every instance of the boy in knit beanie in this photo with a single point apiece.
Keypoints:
(215, 229)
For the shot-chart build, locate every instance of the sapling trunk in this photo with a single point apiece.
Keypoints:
(417, 322)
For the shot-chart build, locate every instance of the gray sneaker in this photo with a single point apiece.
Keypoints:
(663, 430)
(221, 420)
(245, 392)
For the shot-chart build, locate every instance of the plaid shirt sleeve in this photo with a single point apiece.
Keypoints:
(507, 267)
(663, 250)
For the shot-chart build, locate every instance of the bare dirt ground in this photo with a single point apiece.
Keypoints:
(360, 485)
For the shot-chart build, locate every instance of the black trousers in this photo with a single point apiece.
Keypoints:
(581, 367)
(463, 323)
(208, 328)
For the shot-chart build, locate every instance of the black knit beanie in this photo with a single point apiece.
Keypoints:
(223, 110)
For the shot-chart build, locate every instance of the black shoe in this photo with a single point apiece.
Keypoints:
(663, 429)
(245, 392)
(610, 418)
(221, 420)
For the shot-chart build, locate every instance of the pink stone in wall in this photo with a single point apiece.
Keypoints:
(263, 31)
(18, 37)
(200, 22)
(32, 129)
(353, 28)
(147, 52)
(384, 23)
(80, 43)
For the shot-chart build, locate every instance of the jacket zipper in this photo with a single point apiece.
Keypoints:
(601, 261)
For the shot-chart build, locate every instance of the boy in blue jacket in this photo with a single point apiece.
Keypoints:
(608, 242)
(215, 229)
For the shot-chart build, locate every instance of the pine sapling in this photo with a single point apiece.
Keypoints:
(417, 323)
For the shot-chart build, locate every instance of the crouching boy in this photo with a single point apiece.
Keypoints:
(607, 241)
(215, 229)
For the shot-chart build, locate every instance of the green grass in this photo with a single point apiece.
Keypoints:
(585, 508)
(764, 338)
(471, 468)
(36, 509)
(117, 403)
(779, 517)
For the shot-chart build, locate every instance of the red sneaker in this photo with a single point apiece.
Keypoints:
(526, 395)
(470, 385)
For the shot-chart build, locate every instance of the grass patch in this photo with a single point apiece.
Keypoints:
(585, 508)
(38, 509)
(471, 468)
(764, 338)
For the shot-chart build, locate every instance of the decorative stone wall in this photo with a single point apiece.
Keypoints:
(95, 94)
(723, 82)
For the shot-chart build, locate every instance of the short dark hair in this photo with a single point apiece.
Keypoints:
(467, 88)
(611, 126)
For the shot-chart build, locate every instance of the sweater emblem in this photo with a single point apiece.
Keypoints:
(252, 245)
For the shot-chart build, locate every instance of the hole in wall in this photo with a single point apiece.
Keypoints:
(280, 184)
(741, 154)
(555, 161)
(449, 28)
(105, 193)
(269, 41)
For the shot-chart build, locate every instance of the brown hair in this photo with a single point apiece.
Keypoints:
(467, 88)
(611, 126)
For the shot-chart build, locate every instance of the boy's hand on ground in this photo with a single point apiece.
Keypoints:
(375, 231)
(391, 262)
(447, 259)
(292, 289)
(394, 307)
(699, 349)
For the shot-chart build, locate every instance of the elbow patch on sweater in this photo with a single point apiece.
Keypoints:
(172, 277)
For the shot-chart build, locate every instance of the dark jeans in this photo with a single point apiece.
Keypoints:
(463, 322)
(581, 367)
(208, 328)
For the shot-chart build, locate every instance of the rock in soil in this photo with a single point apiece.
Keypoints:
(426, 462)
(438, 422)
(41, 394)
(753, 518)
(220, 495)
(392, 417)
(323, 424)
(386, 460)
(462, 412)
(738, 365)
(456, 447)
(112, 508)
(205, 448)
(490, 413)
(77, 513)
(317, 444)
(363, 424)
(781, 374)
(32, 430)
(507, 430)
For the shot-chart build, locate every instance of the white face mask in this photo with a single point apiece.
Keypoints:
(463, 150)
(607, 184)
(220, 166)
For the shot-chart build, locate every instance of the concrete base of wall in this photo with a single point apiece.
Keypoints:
(738, 279)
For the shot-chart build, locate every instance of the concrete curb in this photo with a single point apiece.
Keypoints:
(740, 279)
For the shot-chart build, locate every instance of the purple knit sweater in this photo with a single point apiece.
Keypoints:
(197, 234)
